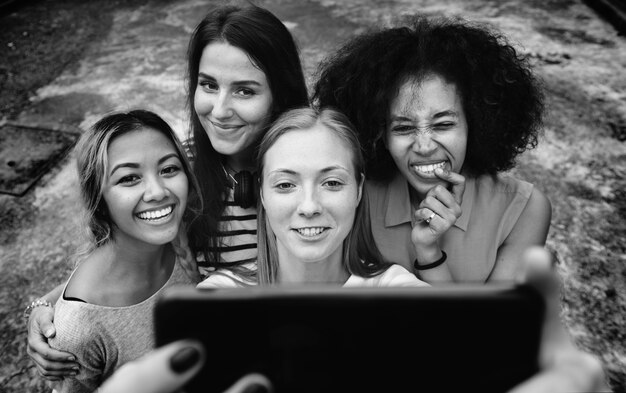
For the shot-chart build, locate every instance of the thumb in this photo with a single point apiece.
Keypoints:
(251, 383)
(48, 330)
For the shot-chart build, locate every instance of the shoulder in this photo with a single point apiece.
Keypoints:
(497, 193)
(501, 184)
(397, 276)
(223, 278)
(85, 280)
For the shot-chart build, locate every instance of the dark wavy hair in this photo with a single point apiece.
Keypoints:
(361, 257)
(92, 159)
(271, 48)
(502, 99)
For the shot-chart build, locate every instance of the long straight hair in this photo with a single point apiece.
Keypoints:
(270, 47)
(361, 257)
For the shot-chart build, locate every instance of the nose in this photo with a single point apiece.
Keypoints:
(154, 190)
(423, 144)
(222, 108)
(309, 204)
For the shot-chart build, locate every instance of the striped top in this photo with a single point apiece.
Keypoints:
(238, 237)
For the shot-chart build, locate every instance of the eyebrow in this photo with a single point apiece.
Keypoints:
(324, 170)
(236, 83)
(135, 165)
(436, 116)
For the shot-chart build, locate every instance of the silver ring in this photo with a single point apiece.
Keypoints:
(430, 218)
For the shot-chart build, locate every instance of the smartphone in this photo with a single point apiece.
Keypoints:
(328, 339)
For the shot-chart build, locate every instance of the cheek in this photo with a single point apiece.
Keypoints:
(344, 209)
(200, 102)
(182, 190)
(257, 113)
(397, 147)
(277, 207)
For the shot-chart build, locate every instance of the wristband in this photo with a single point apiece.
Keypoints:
(438, 262)
(36, 303)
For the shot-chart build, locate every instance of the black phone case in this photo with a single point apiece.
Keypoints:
(323, 339)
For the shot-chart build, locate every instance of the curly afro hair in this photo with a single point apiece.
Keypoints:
(502, 99)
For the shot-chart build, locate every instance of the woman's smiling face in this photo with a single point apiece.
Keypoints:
(146, 187)
(233, 99)
(427, 130)
(310, 193)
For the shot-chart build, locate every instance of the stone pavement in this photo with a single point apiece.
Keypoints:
(141, 63)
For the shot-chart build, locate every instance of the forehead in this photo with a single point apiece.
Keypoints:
(311, 149)
(139, 144)
(429, 93)
(227, 62)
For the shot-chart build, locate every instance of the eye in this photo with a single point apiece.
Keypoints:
(128, 180)
(402, 129)
(446, 125)
(333, 184)
(284, 186)
(208, 84)
(171, 170)
(245, 92)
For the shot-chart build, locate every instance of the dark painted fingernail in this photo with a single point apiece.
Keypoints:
(256, 388)
(184, 359)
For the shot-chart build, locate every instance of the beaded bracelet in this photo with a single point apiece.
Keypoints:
(36, 303)
(438, 262)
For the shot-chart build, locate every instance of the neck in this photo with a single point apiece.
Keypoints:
(329, 270)
(131, 259)
(243, 160)
(414, 196)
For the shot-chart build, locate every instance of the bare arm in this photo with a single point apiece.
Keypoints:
(51, 363)
(564, 368)
(531, 229)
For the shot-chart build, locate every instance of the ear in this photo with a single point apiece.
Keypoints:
(361, 184)
(261, 195)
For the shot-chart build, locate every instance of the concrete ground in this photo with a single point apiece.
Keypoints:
(140, 62)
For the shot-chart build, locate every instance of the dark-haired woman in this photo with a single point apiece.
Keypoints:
(443, 108)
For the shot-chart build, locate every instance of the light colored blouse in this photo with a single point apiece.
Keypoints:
(491, 207)
(104, 338)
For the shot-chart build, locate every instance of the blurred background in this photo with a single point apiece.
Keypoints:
(65, 63)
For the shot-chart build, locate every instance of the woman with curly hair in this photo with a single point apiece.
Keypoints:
(443, 107)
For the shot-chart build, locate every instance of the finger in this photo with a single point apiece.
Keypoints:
(165, 370)
(40, 322)
(456, 180)
(56, 369)
(434, 205)
(448, 200)
(251, 383)
(41, 352)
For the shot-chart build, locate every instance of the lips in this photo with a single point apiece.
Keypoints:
(156, 214)
(427, 170)
(226, 127)
(310, 231)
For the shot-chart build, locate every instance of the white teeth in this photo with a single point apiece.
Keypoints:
(155, 215)
(310, 231)
(429, 168)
